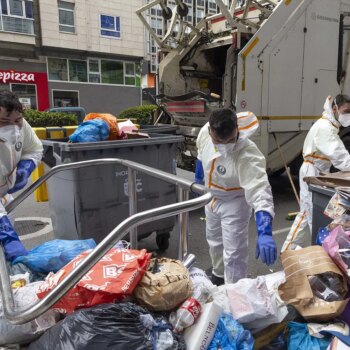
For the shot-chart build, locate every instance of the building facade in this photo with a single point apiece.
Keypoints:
(84, 53)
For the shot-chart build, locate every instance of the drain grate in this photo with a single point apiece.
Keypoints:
(25, 227)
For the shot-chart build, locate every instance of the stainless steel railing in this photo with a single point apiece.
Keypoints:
(128, 225)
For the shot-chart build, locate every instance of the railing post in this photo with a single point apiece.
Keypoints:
(132, 205)
(183, 195)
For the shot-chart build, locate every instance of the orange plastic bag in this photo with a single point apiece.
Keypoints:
(110, 119)
(113, 278)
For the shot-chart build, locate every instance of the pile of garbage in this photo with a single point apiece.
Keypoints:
(97, 127)
(131, 300)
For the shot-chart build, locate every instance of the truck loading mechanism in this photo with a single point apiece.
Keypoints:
(279, 59)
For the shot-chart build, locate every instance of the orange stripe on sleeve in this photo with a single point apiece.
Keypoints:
(249, 126)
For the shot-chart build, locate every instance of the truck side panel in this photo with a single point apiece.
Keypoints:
(321, 57)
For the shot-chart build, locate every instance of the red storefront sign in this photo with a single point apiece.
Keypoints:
(37, 78)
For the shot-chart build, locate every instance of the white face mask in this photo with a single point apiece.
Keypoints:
(225, 149)
(344, 119)
(10, 133)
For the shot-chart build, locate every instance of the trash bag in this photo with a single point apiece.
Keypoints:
(111, 121)
(299, 338)
(91, 131)
(114, 277)
(165, 285)
(322, 234)
(51, 256)
(230, 335)
(25, 297)
(106, 327)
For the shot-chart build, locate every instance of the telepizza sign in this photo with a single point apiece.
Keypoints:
(39, 79)
(18, 77)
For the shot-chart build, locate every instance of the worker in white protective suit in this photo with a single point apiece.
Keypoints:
(20, 153)
(322, 149)
(234, 171)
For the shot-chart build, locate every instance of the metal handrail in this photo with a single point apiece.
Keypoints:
(28, 314)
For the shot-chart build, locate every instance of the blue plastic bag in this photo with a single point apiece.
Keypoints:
(299, 338)
(230, 335)
(94, 130)
(53, 255)
(322, 234)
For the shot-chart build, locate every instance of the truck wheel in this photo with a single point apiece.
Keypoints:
(162, 240)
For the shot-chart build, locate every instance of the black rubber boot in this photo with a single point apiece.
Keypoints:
(218, 281)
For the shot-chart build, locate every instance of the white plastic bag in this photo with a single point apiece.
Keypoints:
(198, 277)
(17, 334)
(249, 300)
(279, 306)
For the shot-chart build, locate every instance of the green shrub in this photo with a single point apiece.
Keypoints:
(143, 114)
(44, 119)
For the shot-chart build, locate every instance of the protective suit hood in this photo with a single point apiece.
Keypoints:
(328, 112)
(248, 124)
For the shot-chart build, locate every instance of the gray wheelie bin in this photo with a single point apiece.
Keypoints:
(90, 202)
(320, 198)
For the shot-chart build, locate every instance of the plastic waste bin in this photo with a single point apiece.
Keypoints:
(90, 202)
(320, 198)
(161, 129)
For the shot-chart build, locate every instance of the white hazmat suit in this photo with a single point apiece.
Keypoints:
(15, 144)
(322, 148)
(239, 182)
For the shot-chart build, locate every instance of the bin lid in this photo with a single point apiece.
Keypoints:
(322, 189)
(155, 139)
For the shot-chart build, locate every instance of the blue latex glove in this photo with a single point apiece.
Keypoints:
(10, 241)
(199, 173)
(266, 247)
(24, 168)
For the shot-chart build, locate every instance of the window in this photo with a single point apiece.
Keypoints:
(78, 71)
(112, 72)
(66, 17)
(130, 73)
(212, 5)
(65, 98)
(110, 26)
(26, 94)
(17, 16)
(58, 69)
(16, 8)
(94, 71)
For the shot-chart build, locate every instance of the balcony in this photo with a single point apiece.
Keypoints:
(16, 24)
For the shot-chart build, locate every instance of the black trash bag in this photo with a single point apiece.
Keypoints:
(104, 327)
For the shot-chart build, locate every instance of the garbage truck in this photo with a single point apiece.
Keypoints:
(279, 59)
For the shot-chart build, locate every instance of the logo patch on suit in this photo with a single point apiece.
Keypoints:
(221, 169)
(18, 146)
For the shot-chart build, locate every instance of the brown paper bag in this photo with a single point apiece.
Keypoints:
(165, 285)
(332, 180)
(298, 265)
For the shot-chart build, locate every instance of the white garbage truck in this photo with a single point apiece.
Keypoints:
(279, 59)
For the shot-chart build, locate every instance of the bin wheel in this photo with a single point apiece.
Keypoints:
(163, 241)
